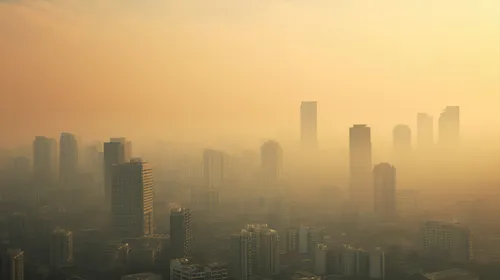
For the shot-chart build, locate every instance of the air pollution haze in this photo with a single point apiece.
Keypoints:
(350, 138)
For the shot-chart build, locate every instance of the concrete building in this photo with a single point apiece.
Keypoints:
(384, 182)
(12, 265)
(360, 168)
(214, 168)
(320, 259)
(269, 253)
(180, 232)
(132, 199)
(271, 160)
(449, 127)
(242, 255)
(68, 160)
(401, 141)
(309, 124)
(61, 248)
(450, 241)
(116, 151)
(45, 161)
(186, 269)
(377, 264)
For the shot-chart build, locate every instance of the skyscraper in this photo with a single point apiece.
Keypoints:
(132, 198)
(449, 127)
(269, 252)
(425, 131)
(452, 241)
(401, 140)
(116, 151)
(360, 167)
(68, 159)
(241, 255)
(271, 160)
(384, 176)
(213, 168)
(12, 265)
(61, 248)
(44, 160)
(309, 124)
(180, 232)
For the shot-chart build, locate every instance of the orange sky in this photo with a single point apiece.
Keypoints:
(193, 69)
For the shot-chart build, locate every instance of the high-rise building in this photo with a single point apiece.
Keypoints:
(377, 264)
(93, 161)
(384, 178)
(425, 131)
(61, 248)
(401, 140)
(12, 265)
(132, 198)
(242, 255)
(213, 168)
(180, 232)
(451, 241)
(360, 167)
(269, 253)
(271, 160)
(309, 124)
(449, 127)
(320, 259)
(116, 151)
(68, 159)
(44, 160)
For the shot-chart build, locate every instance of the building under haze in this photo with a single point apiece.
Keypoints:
(271, 160)
(269, 253)
(360, 168)
(61, 248)
(213, 168)
(116, 151)
(309, 124)
(12, 265)
(68, 159)
(425, 131)
(132, 198)
(180, 232)
(44, 160)
(401, 141)
(449, 127)
(384, 183)
(450, 241)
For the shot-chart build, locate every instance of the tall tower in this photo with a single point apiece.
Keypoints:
(180, 232)
(68, 159)
(384, 176)
(132, 198)
(44, 160)
(241, 255)
(401, 140)
(269, 252)
(360, 167)
(425, 131)
(271, 160)
(12, 265)
(116, 151)
(449, 127)
(61, 248)
(213, 168)
(309, 124)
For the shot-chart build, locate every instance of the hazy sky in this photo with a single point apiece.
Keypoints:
(197, 68)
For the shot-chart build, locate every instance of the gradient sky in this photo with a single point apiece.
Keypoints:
(195, 69)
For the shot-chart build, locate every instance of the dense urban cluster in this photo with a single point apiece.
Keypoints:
(96, 211)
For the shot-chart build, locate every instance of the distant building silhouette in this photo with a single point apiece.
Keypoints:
(425, 131)
(61, 248)
(449, 127)
(180, 232)
(360, 167)
(132, 199)
(309, 124)
(116, 151)
(451, 241)
(12, 265)
(401, 140)
(271, 160)
(384, 183)
(68, 159)
(44, 160)
(214, 170)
